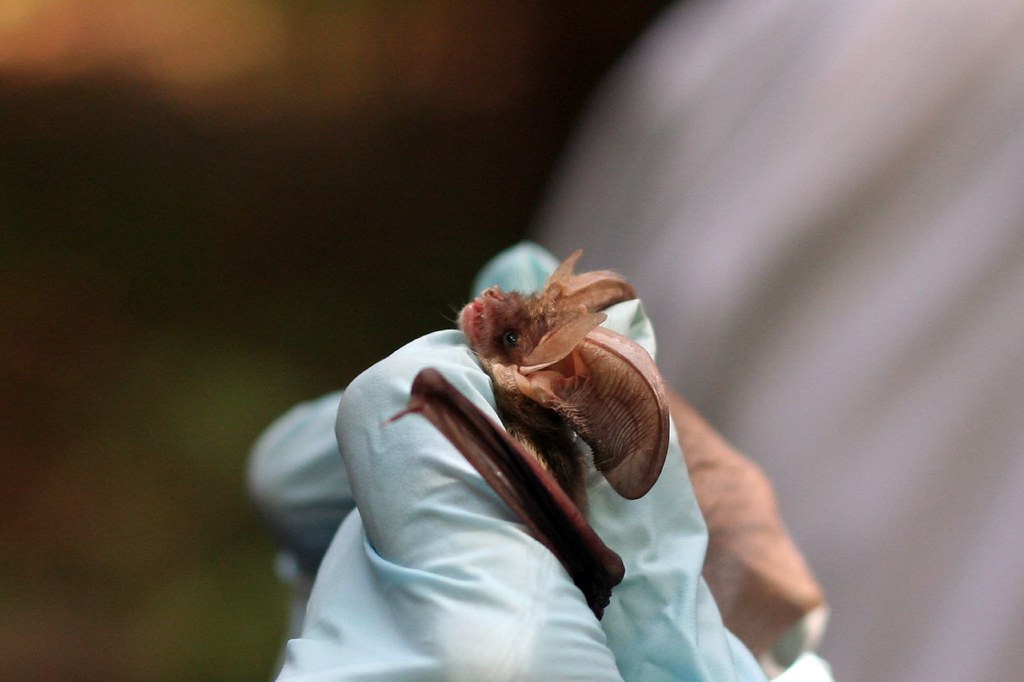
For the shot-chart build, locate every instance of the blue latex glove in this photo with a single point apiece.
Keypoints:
(434, 578)
(298, 483)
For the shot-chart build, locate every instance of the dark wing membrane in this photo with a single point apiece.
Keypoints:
(519, 479)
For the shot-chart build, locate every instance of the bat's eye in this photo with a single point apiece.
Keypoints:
(510, 339)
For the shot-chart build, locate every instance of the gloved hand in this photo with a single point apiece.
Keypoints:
(433, 577)
(296, 479)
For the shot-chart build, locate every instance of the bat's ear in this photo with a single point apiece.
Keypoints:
(594, 291)
(616, 402)
(624, 412)
(561, 341)
(565, 268)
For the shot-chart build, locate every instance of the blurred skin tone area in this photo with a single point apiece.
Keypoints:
(209, 212)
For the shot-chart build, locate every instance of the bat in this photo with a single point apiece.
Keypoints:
(557, 374)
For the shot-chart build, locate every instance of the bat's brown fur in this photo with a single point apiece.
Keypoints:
(487, 323)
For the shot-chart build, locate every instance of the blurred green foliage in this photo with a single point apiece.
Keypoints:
(174, 273)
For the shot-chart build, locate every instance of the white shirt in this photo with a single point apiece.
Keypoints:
(822, 207)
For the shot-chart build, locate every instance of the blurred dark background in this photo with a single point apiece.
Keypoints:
(211, 211)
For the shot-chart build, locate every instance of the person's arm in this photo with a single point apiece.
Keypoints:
(767, 594)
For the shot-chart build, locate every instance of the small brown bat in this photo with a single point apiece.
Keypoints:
(557, 373)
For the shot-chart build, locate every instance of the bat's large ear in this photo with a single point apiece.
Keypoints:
(618, 405)
(594, 291)
(625, 412)
(561, 341)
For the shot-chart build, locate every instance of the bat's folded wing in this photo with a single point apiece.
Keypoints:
(521, 481)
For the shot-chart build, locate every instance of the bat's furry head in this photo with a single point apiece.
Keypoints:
(506, 327)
